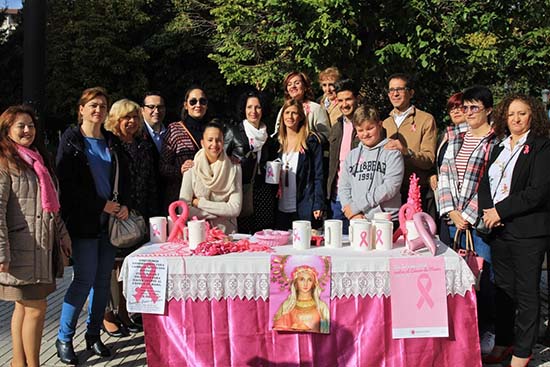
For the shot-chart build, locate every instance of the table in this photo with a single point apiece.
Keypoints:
(217, 314)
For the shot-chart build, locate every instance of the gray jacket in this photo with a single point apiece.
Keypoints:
(27, 232)
(371, 179)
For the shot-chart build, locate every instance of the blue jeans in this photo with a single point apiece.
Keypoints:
(337, 213)
(93, 261)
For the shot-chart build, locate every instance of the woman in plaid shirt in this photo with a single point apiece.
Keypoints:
(463, 166)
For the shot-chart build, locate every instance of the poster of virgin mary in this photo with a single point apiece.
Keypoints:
(299, 294)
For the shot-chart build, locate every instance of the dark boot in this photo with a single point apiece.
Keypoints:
(65, 352)
(94, 343)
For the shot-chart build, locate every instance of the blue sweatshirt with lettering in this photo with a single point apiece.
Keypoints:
(371, 179)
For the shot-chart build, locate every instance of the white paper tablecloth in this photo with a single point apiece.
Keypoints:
(246, 275)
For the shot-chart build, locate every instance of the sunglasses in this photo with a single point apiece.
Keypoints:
(202, 101)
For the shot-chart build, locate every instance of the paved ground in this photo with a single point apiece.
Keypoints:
(130, 351)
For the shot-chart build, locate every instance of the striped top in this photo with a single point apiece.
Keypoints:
(468, 147)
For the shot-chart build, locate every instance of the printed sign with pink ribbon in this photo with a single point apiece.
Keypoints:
(418, 297)
(146, 289)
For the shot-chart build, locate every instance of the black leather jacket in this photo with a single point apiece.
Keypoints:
(236, 145)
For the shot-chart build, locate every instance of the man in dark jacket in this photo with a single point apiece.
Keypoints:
(342, 139)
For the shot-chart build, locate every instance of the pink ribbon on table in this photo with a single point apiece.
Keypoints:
(379, 237)
(147, 280)
(270, 172)
(156, 230)
(179, 222)
(296, 236)
(424, 284)
(364, 239)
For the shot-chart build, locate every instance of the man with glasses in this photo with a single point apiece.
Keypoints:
(413, 132)
(153, 111)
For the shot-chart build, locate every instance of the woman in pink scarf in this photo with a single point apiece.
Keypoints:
(29, 225)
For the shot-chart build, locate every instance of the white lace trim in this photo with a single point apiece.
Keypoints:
(253, 286)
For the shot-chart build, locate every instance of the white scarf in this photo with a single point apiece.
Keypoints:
(217, 178)
(256, 137)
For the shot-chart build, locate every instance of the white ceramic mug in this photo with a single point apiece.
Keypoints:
(333, 233)
(301, 234)
(382, 216)
(359, 234)
(273, 171)
(195, 232)
(157, 229)
(382, 235)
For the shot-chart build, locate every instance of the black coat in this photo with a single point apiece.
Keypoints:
(525, 213)
(81, 206)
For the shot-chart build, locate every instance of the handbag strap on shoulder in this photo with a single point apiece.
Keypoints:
(115, 185)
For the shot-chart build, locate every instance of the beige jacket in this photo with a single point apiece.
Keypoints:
(27, 233)
(419, 133)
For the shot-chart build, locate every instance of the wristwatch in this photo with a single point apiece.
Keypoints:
(410, 153)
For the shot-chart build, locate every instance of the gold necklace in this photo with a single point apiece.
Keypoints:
(305, 304)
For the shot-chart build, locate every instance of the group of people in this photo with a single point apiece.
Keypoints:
(340, 160)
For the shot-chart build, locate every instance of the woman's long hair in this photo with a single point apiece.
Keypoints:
(303, 127)
(289, 304)
(9, 157)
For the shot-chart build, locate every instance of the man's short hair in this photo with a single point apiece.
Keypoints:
(346, 84)
(409, 83)
(151, 93)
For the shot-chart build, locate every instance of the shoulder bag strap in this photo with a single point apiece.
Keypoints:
(190, 135)
(115, 186)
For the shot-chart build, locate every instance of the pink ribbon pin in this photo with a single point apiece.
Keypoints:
(379, 237)
(147, 280)
(413, 128)
(364, 239)
(296, 235)
(526, 149)
(424, 284)
(156, 230)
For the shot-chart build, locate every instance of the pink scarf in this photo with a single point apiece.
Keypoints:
(50, 202)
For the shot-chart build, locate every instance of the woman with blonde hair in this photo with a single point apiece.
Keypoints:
(303, 310)
(301, 186)
(29, 221)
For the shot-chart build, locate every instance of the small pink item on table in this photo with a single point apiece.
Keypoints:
(179, 222)
(425, 237)
(316, 240)
(272, 238)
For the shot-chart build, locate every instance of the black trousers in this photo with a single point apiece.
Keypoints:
(517, 265)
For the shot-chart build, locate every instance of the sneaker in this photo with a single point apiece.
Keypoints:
(487, 342)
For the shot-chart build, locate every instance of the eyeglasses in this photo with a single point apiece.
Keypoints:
(153, 107)
(473, 109)
(202, 101)
(455, 109)
(398, 90)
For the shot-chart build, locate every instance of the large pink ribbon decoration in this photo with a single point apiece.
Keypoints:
(424, 284)
(425, 235)
(179, 222)
(406, 213)
(147, 280)
(364, 239)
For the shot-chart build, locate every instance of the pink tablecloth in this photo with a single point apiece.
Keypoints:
(234, 332)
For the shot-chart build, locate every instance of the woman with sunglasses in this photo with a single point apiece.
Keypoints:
(467, 155)
(181, 142)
